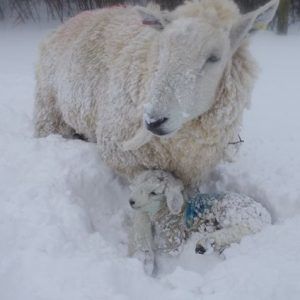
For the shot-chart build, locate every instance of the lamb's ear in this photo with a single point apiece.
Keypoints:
(250, 22)
(175, 199)
(154, 20)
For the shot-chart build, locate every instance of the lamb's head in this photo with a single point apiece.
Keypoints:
(150, 189)
(195, 44)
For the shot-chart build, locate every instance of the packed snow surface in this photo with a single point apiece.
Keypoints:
(64, 216)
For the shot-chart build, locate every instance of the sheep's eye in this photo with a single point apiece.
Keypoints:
(153, 194)
(213, 58)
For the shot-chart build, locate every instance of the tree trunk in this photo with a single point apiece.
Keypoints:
(283, 17)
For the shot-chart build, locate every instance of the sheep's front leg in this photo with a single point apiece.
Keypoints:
(141, 245)
(222, 238)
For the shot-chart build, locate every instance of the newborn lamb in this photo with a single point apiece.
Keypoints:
(165, 217)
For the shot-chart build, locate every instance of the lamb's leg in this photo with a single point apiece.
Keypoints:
(141, 244)
(47, 118)
(222, 238)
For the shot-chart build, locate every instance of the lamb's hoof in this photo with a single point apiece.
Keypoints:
(149, 263)
(148, 260)
(200, 249)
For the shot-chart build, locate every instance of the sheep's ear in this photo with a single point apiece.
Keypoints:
(153, 20)
(251, 22)
(175, 200)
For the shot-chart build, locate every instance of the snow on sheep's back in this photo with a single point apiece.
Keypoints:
(63, 215)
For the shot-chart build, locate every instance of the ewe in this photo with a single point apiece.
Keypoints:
(165, 217)
(127, 78)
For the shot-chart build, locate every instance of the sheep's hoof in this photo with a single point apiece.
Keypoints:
(78, 136)
(200, 249)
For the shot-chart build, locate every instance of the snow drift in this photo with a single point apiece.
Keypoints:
(63, 215)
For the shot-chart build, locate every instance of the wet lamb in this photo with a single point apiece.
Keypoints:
(165, 217)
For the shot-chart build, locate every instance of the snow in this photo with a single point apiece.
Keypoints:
(64, 215)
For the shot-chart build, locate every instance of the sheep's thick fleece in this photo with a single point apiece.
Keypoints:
(93, 76)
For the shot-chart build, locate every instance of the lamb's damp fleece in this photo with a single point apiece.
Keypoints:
(98, 70)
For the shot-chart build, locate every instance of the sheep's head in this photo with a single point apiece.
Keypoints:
(195, 44)
(151, 188)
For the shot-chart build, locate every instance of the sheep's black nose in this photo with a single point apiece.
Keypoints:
(156, 124)
(131, 202)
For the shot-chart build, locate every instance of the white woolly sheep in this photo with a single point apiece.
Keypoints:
(124, 77)
(161, 226)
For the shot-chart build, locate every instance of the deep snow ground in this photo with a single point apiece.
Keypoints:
(63, 214)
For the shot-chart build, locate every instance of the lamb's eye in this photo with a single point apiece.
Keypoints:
(153, 194)
(213, 58)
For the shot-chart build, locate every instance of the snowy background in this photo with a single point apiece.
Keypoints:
(63, 214)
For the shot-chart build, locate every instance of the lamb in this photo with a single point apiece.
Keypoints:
(165, 217)
(154, 89)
